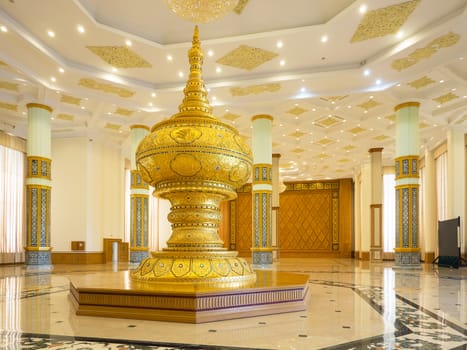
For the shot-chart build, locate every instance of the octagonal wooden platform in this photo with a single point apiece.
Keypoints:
(115, 294)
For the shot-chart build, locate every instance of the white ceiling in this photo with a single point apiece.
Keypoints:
(319, 128)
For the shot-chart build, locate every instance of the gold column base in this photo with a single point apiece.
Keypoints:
(222, 269)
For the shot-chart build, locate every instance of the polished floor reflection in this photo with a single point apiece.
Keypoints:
(353, 305)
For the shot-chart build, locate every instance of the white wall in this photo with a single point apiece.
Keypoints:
(87, 193)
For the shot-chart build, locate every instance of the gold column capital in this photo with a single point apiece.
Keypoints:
(262, 116)
(376, 149)
(139, 126)
(39, 105)
(406, 104)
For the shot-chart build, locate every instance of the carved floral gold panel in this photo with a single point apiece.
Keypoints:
(240, 6)
(328, 121)
(384, 21)
(8, 86)
(426, 52)
(246, 57)
(243, 223)
(297, 110)
(105, 87)
(123, 111)
(255, 89)
(445, 98)
(119, 56)
(70, 100)
(371, 103)
(421, 82)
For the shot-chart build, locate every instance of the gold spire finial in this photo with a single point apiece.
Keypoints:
(196, 97)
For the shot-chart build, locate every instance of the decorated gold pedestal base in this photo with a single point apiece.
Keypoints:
(116, 294)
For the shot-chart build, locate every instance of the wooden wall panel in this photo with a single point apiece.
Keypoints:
(315, 220)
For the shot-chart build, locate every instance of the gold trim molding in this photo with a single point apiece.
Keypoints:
(104, 87)
(39, 105)
(405, 105)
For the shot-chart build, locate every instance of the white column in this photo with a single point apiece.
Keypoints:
(456, 195)
(407, 251)
(38, 185)
(262, 190)
(365, 202)
(430, 222)
(358, 217)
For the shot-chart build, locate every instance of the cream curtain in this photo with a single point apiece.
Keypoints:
(11, 200)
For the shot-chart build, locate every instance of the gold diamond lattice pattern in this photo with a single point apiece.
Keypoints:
(328, 121)
(383, 21)
(306, 232)
(356, 130)
(123, 111)
(202, 11)
(119, 56)
(246, 57)
(369, 104)
(112, 126)
(381, 137)
(325, 141)
(297, 110)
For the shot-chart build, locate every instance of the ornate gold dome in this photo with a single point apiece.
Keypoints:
(195, 161)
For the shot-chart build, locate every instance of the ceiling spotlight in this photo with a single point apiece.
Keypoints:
(324, 38)
(114, 69)
(279, 44)
(61, 70)
(3, 29)
(210, 53)
(169, 58)
(378, 81)
(362, 8)
(51, 33)
(282, 62)
(180, 74)
(53, 79)
(366, 72)
(218, 69)
(80, 29)
(153, 94)
(400, 34)
(128, 42)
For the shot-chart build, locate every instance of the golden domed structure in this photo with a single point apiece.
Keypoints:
(195, 161)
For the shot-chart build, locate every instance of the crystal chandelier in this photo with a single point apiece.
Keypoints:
(201, 11)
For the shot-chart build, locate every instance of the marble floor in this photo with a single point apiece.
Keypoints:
(353, 305)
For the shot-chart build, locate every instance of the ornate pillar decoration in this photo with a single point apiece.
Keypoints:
(376, 204)
(407, 251)
(38, 185)
(195, 161)
(276, 190)
(139, 199)
(262, 190)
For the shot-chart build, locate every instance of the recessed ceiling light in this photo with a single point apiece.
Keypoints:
(279, 44)
(53, 79)
(153, 94)
(441, 81)
(349, 106)
(80, 29)
(180, 74)
(282, 62)
(378, 81)
(302, 89)
(218, 69)
(82, 107)
(366, 72)
(313, 109)
(438, 106)
(114, 69)
(3, 29)
(210, 53)
(365, 111)
(362, 8)
(61, 70)
(214, 98)
(169, 58)
(461, 58)
(398, 85)
(51, 33)
(371, 97)
(150, 104)
(324, 38)
(400, 34)
(453, 89)
(128, 42)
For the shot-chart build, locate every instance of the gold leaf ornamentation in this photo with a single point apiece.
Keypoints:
(333, 98)
(391, 117)
(119, 56)
(430, 49)
(381, 137)
(297, 110)
(112, 126)
(421, 82)
(383, 21)
(67, 117)
(8, 86)
(108, 88)
(246, 57)
(124, 112)
(349, 147)
(298, 150)
(70, 99)
(240, 6)
(297, 134)
(9, 106)
(445, 98)
(356, 130)
(325, 141)
(255, 89)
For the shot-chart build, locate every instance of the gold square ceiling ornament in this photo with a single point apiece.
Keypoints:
(333, 98)
(371, 103)
(356, 130)
(8, 86)
(71, 100)
(124, 112)
(105, 87)
(381, 137)
(255, 89)
(298, 150)
(297, 134)
(66, 117)
(349, 147)
(240, 6)
(325, 141)
(297, 110)
(384, 21)
(445, 98)
(9, 106)
(119, 56)
(112, 126)
(246, 57)
(422, 82)
(328, 121)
